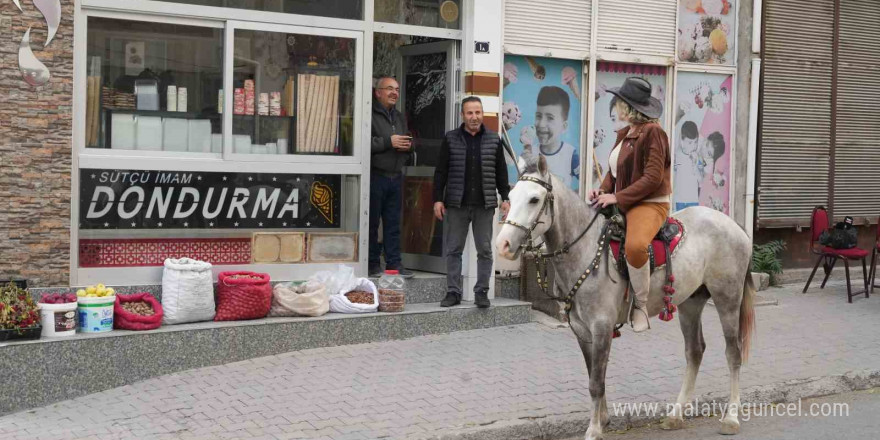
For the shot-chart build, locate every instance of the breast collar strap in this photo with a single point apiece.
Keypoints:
(541, 259)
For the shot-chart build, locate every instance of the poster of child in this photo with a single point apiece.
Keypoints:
(542, 112)
(702, 141)
(610, 75)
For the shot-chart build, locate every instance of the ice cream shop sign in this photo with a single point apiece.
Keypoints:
(139, 199)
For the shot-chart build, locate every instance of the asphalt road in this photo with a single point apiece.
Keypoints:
(862, 422)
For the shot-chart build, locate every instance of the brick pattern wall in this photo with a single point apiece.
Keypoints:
(35, 150)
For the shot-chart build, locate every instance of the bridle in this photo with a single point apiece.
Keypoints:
(541, 259)
(548, 204)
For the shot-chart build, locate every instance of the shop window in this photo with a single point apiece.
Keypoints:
(707, 32)
(430, 13)
(350, 9)
(542, 112)
(702, 141)
(293, 94)
(153, 86)
(606, 123)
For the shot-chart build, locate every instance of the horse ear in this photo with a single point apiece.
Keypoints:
(542, 164)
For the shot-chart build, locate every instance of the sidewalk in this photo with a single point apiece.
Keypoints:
(513, 382)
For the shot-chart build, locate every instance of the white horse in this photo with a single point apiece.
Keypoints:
(712, 261)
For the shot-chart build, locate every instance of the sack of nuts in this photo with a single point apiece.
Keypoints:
(391, 301)
(138, 311)
(243, 295)
(363, 297)
(307, 299)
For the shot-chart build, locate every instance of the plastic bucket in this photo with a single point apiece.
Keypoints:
(58, 319)
(96, 314)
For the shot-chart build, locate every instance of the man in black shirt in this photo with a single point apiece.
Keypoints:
(470, 170)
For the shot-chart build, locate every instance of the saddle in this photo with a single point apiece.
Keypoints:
(662, 246)
(660, 255)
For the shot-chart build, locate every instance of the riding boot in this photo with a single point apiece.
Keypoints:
(641, 284)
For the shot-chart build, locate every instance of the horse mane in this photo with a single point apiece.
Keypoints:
(531, 162)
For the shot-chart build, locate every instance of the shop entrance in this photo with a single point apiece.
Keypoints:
(426, 69)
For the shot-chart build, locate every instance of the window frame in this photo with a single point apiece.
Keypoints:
(227, 19)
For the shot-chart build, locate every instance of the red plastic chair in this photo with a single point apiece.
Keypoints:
(818, 224)
(874, 253)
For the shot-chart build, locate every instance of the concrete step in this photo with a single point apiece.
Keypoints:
(50, 370)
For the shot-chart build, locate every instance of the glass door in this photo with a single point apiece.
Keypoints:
(428, 98)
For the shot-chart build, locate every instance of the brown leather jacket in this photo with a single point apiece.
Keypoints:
(643, 166)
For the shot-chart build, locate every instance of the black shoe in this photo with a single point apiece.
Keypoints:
(375, 271)
(403, 272)
(450, 300)
(481, 300)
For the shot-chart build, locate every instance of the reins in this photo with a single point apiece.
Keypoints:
(541, 259)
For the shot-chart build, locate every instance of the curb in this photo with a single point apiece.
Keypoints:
(800, 275)
(560, 426)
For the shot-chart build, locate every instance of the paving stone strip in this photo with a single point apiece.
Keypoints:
(526, 381)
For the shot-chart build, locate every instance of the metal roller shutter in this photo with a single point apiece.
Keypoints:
(857, 150)
(548, 24)
(796, 110)
(646, 28)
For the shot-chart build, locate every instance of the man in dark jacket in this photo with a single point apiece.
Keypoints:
(470, 170)
(390, 148)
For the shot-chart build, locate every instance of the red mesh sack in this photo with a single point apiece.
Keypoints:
(243, 295)
(125, 320)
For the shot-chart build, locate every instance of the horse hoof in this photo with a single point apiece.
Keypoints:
(593, 435)
(729, 427)
(672, 424)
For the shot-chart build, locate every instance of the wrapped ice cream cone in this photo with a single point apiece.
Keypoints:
(528, 137)
(537, 70)
(510, 74)
(569, 77)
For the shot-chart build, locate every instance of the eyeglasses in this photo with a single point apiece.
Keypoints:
(390, 89)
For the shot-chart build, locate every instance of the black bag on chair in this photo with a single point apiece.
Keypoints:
(842, 236)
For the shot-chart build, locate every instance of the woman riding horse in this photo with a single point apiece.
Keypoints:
(638, 182)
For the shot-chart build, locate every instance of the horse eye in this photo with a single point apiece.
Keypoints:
(533, 201)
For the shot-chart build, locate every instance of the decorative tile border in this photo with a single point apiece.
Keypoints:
(482, 83)
(153, 251)
(490, 120)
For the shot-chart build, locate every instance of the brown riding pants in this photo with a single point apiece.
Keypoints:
(643, 221)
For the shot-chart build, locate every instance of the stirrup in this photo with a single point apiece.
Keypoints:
(632, 309)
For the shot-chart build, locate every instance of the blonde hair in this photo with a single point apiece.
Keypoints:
(633, 116)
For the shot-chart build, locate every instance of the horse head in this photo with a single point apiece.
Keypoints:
(531, 209)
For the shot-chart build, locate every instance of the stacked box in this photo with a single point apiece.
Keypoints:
(249, 98)
(238, 102)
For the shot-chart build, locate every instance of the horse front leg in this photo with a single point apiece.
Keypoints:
(585, 341)
(601, 349)
(586, 344)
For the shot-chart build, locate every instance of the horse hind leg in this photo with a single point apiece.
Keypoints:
(728, 306)
(690, 313)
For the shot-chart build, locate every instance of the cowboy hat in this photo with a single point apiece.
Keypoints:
(636, 92)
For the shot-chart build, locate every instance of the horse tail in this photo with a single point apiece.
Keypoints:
(747, 317)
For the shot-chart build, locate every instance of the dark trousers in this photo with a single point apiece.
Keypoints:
(386, 203)
(455, 232)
